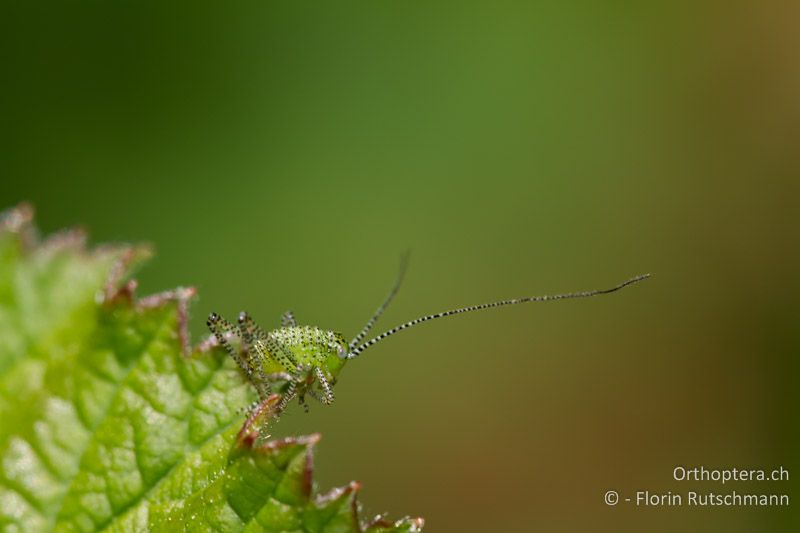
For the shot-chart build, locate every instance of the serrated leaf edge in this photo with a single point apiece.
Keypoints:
(118, 290)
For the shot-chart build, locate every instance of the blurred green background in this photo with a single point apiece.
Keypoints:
(281, 156)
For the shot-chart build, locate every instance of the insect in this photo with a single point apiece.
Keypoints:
(296, 361)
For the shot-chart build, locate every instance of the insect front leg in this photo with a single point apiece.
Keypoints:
(314, 394)
(325, 385)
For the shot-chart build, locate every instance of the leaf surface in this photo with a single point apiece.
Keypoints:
(110, 421)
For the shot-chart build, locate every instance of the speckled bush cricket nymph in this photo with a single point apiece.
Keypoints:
(299, 361)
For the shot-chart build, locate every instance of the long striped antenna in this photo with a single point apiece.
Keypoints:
(378, 312)
(355, 352)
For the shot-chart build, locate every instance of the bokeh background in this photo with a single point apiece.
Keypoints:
(281, 156)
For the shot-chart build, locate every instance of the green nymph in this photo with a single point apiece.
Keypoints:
(297, 361)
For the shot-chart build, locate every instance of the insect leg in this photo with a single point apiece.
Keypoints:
(288, 320)
(222, 329)
(254, 356)
(286, 397)
(325, 385)
(302, 401)
(280, 376)
(281, 353)
(314, 394)
(260, 415)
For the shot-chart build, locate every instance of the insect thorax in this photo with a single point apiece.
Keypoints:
(311, 346)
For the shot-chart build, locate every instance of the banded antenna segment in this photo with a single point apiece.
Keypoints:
(355, 352)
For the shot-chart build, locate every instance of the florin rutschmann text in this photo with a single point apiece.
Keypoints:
(751, 496)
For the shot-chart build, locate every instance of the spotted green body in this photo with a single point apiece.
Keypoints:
(293, 360)
(310, 346)
(297, 361)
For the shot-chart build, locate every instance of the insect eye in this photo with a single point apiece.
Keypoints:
(342, 352)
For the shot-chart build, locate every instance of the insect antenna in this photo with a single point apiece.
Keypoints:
(400, 274)
(354, 352)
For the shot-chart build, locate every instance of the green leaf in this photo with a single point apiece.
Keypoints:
(110, 421)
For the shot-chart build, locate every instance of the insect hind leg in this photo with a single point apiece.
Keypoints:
(254, 430)
(287, 396)
(222, 330)
(250, 332)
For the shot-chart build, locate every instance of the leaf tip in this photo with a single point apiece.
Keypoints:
(115, 290)
(381, 523)
(337, 492)
(15, 219)
(307, 441)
